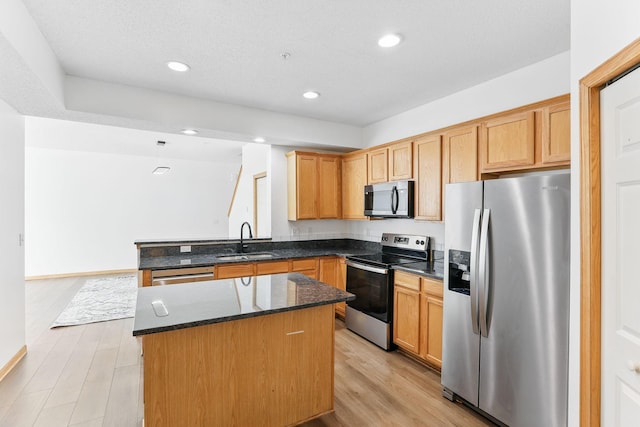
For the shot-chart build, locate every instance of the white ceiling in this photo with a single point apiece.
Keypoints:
(234, 49)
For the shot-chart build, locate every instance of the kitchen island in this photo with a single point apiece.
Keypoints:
(245, 351)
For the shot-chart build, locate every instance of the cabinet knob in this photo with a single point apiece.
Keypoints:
(634, 366)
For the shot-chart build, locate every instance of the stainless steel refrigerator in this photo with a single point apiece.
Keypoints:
(506, 298)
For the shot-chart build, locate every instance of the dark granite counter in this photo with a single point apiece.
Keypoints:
(202, 303)
(433, 269)
(420, 268)
(159, 258)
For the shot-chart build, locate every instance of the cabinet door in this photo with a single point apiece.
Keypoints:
(329, 271)
(329, 187)
(432, 331)
(431, 322)
(508, 142)
(377, 166)
(460, 155)
(406, 318)
(427, 158)
(306, 372)
(400, 161)
(556, 133)
(354, 178)
(307, 190)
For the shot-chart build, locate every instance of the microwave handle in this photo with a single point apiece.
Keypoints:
(395, 199)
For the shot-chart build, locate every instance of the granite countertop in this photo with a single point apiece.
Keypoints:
(422, 268)
(161, 262)
(202, 303)
(433, 269)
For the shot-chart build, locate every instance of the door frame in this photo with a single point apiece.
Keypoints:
(256, 177)
(591, 228)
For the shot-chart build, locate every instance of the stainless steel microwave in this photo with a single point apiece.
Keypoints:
(389, 199)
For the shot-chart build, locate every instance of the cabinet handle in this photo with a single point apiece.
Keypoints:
(295, 333)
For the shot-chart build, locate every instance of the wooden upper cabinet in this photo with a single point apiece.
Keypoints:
(329, 187)
(378, 166)
(427, 168)
(556, 133)
(400, 164)
(354, 178)
(460, 155)
(507, 142)
(313, 185)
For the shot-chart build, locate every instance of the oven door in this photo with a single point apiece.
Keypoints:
(372, 287)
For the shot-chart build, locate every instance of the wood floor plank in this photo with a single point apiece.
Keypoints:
(124, 389)
(56, 416)
(25, 409)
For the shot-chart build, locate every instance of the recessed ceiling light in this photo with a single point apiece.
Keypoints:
(258, 139)
(389, 40)
(311, 94)
(189, 131)
(178, 66)
(161, 170)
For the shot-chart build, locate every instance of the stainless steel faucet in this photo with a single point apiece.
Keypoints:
(244, 247)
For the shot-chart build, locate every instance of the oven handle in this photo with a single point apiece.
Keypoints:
(367, 267)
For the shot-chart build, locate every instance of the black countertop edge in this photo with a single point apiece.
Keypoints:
(193, 324)
(195, 304)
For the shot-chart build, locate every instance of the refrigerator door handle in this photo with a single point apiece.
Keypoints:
(483, 272)
(473, 280)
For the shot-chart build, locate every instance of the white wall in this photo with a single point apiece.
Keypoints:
(599, 29)
(12, 300)
(256, 158)
(539, 81)
(85, 209)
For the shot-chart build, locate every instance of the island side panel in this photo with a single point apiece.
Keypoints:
(275, 369)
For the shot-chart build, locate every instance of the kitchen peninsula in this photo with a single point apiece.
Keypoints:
(245, 351)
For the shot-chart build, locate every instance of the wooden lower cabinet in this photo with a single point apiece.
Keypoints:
(417, 317)
(272, 370)
(272, 267)
(333, 272)
(229, 271)
(306, 266)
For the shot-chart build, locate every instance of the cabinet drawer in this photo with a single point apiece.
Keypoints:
(272, 267)
(407, 280)
(431, 286)
(304, 264)
(234, 270)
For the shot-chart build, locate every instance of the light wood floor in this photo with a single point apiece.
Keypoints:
(91, 375)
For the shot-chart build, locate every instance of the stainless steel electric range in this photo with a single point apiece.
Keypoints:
(370, 279)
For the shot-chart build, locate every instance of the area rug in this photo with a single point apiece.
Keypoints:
(102, 299)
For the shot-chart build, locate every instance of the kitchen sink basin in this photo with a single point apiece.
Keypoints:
(246, 257)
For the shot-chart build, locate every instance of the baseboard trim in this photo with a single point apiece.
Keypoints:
(13, 362)
(86, 273)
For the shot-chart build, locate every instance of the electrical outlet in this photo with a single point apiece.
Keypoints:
(185, 249)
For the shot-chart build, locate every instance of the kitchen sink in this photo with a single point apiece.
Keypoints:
(248, 256)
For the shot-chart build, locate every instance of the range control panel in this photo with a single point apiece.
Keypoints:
(405, 241)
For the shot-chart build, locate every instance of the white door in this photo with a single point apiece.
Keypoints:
(620, 151)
